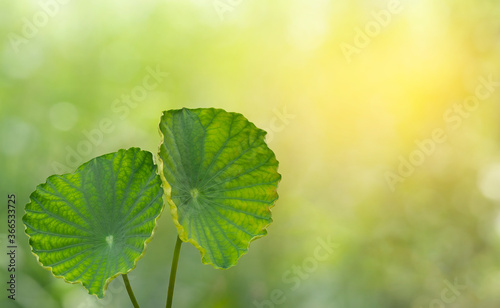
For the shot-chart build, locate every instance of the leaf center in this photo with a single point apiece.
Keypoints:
(194, 193)
(109, 240)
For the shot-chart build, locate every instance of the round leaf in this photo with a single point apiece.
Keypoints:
(94, 224)
(220, 179)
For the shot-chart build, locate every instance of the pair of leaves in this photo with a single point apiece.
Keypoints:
(218, 176)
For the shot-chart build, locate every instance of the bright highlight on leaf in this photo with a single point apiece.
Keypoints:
(94, 224)
(221, 180)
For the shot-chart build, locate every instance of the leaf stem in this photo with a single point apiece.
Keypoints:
(173, 272)
(130, 292)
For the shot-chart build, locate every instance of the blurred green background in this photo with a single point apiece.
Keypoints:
(346, 89)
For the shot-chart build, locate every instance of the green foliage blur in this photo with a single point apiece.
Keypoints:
(384, 115)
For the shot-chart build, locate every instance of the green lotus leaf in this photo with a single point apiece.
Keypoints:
(94, 224)
(220, 179)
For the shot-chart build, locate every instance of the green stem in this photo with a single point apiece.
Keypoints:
(173, 272)
(130, 292)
